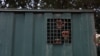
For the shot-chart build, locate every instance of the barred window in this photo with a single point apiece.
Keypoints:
(58, 31)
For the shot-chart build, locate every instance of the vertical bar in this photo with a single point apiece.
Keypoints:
(40, 35)
(48, 46)
(67, 48)
(19, 34)
(61, 33)
(2, 34)
(50, 32)
(28, 34)
(88, 32)
(53, 31)
(68, 29)
(91, 32)
(71, 31)
(6, 33)
(57, 49)
(57, 16)
(76, 37)
(10, 33)
(93, 44)
(86, 28)
(44, 35)
(64, 30)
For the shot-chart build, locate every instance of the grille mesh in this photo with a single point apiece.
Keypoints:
(58, 31)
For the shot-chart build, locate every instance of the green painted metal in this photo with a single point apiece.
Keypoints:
(39, 36)
(49, 47)
(6, 34)
(24, 33)
(19, 34)
(83, 35)
(28, 34)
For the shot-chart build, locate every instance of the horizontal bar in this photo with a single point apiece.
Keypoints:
(44, 10)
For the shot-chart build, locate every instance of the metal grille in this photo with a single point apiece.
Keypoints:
(58, 31)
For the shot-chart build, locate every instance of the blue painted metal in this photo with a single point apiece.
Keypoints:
(24, 33)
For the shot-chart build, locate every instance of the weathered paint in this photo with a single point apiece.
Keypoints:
(24, 33)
